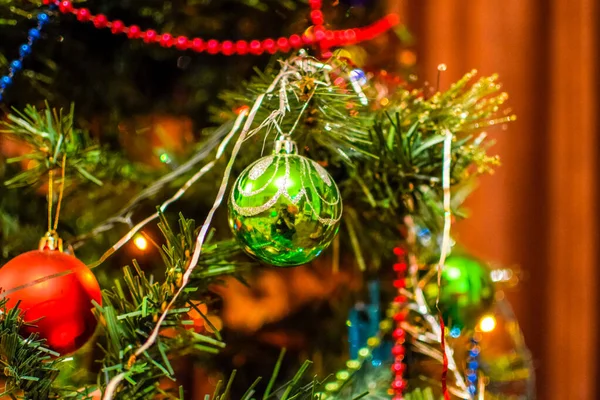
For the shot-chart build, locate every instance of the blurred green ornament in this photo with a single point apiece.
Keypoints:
(285, 209)
(467, 291)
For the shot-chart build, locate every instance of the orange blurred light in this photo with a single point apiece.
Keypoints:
(487, 323)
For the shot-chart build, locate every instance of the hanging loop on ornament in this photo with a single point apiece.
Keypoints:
(61, 191)
(52, 227)
(51, 241)
(50, 196)
(285, 145)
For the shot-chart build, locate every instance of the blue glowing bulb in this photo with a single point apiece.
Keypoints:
(43, 17)
(455, 332)
(34, 33)
(24, 50)
(16, 66)
(5, 82)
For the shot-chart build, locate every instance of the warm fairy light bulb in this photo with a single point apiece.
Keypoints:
(140, 242)
(487, 323)
(501, 275)
(342, 375)
(332, 386)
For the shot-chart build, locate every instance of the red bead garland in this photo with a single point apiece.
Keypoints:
(318, 35)
(399, 385)
(117, 27)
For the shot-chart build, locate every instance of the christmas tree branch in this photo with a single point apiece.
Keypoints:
(393, 158)
(124, 215)
(182, 190)
(420, 306)
(193, 261)
(309, 98)
(427, 140)
(272, 118)
(390, 164)
(130, 313)
(28, 367)
(50, 135)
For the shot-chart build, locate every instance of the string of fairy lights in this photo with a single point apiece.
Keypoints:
(16, 65)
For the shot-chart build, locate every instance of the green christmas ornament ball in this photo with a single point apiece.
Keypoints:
(285, 209)
(467, 291)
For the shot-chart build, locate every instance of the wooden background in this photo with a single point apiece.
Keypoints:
(540, 209)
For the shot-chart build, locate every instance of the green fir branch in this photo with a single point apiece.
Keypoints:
(28, 368)
(320, 115)
(131, 309)
(390, 165)
(51, 135)
(407, 139)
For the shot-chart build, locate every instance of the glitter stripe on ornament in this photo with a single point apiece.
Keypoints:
(318, 35)
(15, 66)
(261, 166)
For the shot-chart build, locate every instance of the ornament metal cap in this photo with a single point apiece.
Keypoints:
(51, 241)
(284, 144)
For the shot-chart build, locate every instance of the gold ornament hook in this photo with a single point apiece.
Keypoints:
(51, 241)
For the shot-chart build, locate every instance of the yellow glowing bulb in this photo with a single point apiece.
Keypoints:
(140, 242)
(487, 323)
(342, 375)
(332, 386)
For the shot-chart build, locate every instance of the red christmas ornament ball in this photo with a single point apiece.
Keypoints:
(61, 307)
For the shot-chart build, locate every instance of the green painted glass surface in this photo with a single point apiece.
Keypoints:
(285, 209)
(467, 291)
